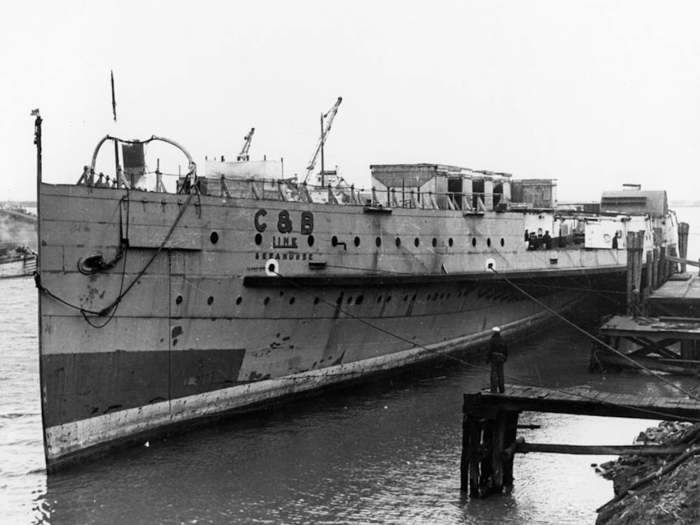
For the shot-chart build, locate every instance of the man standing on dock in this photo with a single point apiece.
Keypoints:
(498, 354)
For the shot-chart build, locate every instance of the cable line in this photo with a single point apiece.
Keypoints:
(486, 369)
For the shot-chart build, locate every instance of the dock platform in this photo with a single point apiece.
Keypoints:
(490, 427)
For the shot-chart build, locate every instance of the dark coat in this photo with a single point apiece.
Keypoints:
(498, 349)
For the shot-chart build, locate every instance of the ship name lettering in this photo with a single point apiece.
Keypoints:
(284, 242)
(260, 227)
(285, 223)
(286, 256)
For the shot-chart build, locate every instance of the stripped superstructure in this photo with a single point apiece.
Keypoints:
(241, 287)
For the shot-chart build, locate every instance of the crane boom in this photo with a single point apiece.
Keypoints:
(329, 116)
(243, 155)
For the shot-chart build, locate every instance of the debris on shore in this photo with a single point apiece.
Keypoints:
(656, 490)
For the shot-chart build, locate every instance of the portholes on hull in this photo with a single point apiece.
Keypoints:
(503, 242)
(334, 241)
(239, 300)
(258, 239)
(316, 300)
(378, 242)
(310, 240)
(474, 242)
(357, 242)
(214, 237)
(434, 242)
(266, 301)
(398, 242)
(359, 299)
(349, 300)
(488, 242)
(178, 300)
(416, 243)
(210, 300)
(292, 300)
(450, 242)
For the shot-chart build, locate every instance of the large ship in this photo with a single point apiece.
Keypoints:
(241, 288)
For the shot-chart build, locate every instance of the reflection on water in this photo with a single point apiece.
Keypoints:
(388, 452)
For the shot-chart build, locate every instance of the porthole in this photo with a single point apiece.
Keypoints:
(434, 242)
(398, 242)
(334, 241)
(450, 242)
(239, 300)
(266, 301)
(214, 237)
(349, 300)
(317, 300)
(416, 242)
(503, 242)
(378, 241)
(292, 300)
(178, 300)
(488, 242)
(388, 298)
(210, 300)
(310, 240)
(258, 239)
(405, 298)
(357, 242)
(339, 300)
(379, 299)
(474, 242)
(359, 299)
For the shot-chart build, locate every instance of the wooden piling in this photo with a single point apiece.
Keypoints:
(498, 436)
(683, 230)
(475, 432)
(635, 249)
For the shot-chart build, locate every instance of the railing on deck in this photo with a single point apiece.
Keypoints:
(292, 191)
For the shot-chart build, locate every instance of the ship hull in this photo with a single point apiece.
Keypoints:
(207, 307)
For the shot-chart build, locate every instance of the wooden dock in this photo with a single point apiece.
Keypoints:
(490, 427)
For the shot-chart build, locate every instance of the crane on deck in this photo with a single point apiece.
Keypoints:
(243, 155)
(325, 129)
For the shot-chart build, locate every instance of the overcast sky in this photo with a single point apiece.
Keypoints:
(592, 93)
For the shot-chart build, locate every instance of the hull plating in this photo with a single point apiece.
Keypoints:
(214, 306)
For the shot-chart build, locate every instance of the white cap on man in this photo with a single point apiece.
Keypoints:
(496, 329)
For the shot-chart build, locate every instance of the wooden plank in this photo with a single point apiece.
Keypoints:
(615, 405)
(612, 450)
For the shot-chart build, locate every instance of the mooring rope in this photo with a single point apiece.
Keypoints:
(108, 309)
(595, 339)
(447, 355)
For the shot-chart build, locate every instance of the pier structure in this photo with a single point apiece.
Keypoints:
(490, 428)
(661, 330)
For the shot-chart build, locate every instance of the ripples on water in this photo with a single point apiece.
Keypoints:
(384, 453)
